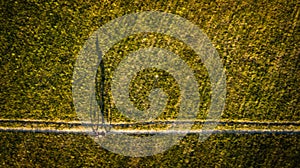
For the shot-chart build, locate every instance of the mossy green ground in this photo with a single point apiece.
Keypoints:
(39, 150)
(256, 40)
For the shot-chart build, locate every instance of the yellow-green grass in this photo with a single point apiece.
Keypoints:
(256, 40)
(40, 150)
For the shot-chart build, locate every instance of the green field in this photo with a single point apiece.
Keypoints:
(256, 40)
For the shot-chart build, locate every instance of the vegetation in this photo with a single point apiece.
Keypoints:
(256, 40)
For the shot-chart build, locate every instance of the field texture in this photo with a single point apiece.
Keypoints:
(257, 41)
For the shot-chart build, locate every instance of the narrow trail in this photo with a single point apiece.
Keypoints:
(152, 132)
(153, 122)
(76, 127)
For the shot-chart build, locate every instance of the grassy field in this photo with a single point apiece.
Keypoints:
(39, 150)
(256, 40)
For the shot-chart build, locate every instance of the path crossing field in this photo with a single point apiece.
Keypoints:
(257, 42)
